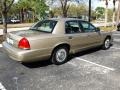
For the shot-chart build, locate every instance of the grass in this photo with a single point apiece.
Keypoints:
(17, 25)
(108, 28)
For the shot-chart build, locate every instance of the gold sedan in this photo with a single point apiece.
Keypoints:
(55, 39)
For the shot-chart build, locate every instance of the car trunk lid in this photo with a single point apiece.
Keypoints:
(13, 38)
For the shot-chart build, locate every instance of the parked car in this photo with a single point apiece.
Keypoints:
(15, 20)
(55, 39)
(118, 27)
(10, 21)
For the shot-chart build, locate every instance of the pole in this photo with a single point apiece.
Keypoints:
(89, 11)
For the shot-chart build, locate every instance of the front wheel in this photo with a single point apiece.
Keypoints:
(59, 55)
(106, 44)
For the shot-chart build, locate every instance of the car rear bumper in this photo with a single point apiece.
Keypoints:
(25, 55)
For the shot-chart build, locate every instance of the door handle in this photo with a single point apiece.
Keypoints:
(70, 37)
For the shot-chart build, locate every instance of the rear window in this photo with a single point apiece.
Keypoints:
(45, 26)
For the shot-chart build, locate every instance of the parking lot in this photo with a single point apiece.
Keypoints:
(94, 69)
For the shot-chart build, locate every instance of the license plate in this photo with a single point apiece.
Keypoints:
(10, 41)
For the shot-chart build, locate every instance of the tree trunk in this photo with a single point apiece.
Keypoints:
(4, 16)
(33, 15)
(113, 18)
(106, 15)
(114, 12)
(64, 14)
(22, 15)
(118, 13)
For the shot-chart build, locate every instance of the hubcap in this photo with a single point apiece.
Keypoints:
(61, 55)
(107, 43)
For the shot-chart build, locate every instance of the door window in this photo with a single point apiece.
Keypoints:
(72, 27)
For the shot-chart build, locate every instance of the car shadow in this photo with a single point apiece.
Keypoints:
(45, 63)
(82, 53)
(37, 64)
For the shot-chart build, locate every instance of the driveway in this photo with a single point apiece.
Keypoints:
(94, 69)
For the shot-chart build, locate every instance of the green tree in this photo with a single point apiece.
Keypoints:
(110, 15)
(40, 7)
(77, 10)
(74, 10)
(5, 6)
(23, 6)
(99, 12)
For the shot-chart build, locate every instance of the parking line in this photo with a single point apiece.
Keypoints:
(2, 87)
(112, 69)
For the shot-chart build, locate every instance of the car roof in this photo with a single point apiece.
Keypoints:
(65, 19)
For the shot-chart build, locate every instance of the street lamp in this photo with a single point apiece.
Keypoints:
(89, 11)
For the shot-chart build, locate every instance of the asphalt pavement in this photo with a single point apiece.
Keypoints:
(94, 69)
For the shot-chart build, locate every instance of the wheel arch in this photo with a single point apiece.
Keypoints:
(108, 36)
(61, 45)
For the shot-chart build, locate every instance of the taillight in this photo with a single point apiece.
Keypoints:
(24, 44)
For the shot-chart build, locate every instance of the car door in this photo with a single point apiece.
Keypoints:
(77, 39)
(93, 37)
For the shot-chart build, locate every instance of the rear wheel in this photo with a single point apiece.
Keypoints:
(118, 28)
(106, 44)
(59, 55)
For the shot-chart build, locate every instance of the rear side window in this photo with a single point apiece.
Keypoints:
(45, 26)
(72, 27)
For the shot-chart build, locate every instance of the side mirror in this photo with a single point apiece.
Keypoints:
(97, 29)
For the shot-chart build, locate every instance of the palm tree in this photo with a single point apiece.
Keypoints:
(106, 12)
(114, 10)
(118, 12)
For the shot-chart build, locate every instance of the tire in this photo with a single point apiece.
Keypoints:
(59, 55)
(118, 29)
(107, 43)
